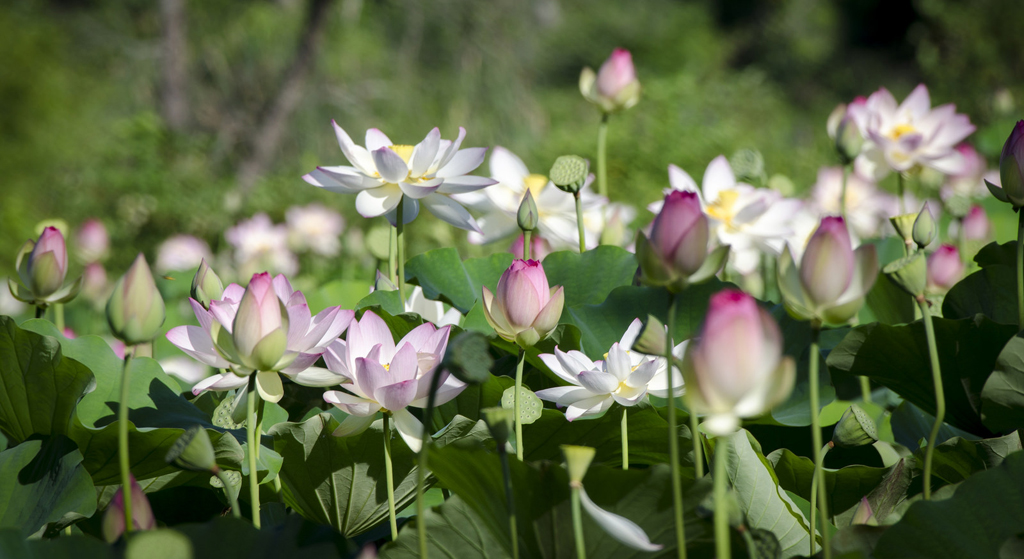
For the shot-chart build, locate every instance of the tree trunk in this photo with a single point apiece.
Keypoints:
(174, 55)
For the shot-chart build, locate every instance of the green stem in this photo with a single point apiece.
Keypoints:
(510, 503)
(393, 255)
(40, 311)
(865, 389)
(625, 439)
(421, 474)
(721, 485)
(900, 188)
(579, 223)
(673, 436)
(519, 388)
(1020, 269)
(940, 399)
(58, 317)
(400, 239)
(842, 191)
(602, 156)
(815, 356)
(390, 475)
(814, 495)
(122, 445)
(577, 520)
(526, 244)
(253, 444)
(698, 448)
(227, 491)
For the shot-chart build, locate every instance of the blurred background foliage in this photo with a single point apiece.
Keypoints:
(86, 129)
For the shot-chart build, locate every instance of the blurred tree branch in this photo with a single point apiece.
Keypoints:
(173, 96)
(272, 126)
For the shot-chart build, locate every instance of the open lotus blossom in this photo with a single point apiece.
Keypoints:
(315, 228)
(525, 309)
(736, 369)
(261, 245)
(383, 173)
(750, 220)
(181, 252)
(625, 376)
(388, 376)
(832, 279)
(867, 207)
(265, 328)
(556, 209)
(900, 137)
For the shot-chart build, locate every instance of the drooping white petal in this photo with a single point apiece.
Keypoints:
(449, 210)
(621, 528)
(409, 428)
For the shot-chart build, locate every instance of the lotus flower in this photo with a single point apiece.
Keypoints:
(676, 254)
(384, 173)
(142, 513)
(181, 252)
(614, 87)
(315, 228)
(135, 310)
(832, 279)
(945, 268)
(92, 242)
(751, 221)
(867, 207)
(736, 369)
(902, 137)
(388, 376)
(265, 328)
(525, 309)
(976, 225)
(625, 376)
(260, 245)
(42, 266)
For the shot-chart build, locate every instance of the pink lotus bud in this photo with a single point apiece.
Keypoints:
(1011, 166)
(92, 242)
(524, 309)
(142, 513)
(828, 263)
(616, 73)
(135, 310)
(976, 225)
(863, 514)
(260, 329)
(944, 269)
(539, 247)
(47, 264)
(680, 232)
(94, 281)
(736, 368)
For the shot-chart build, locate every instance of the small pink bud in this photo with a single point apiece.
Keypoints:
(944, 269)
(48, 263)
(92, 241)
(94, 281)
(976, 225)
(680, 233)
(616, 73)
(142, 513)
(828, 263)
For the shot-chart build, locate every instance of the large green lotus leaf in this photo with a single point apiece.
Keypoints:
(897, 357)
(763, 501)
(541, 492)
(445, 277)
(648, 437)
(991, 291)
(995, 254)
(1002, 398)
(957, 459)
(40, 481)
(845, 486)
(390, 301)
(588, 278)
(453, 530)
(911, 427)
(887, 303)
(339, 481)
(40, 384)
(154, 397)
(985, 511)
(13, 544)
(602, 325)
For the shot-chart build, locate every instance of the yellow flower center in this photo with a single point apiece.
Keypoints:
(900, 130)
(722, 208)
(387, 366)
(403, 151)
(535, 183)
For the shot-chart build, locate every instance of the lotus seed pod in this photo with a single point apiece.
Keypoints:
(530, 406)
(855, 428)
(499, 421)
(910, 273)
(569, 173)
(577, 461)
(193, 451)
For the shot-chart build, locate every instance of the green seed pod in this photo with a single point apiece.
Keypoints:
(569, 173)
(651, 339)
(855, 428)
(193, 451)
(910, 273)
(577, 461)
(499, 421)
(530, 406)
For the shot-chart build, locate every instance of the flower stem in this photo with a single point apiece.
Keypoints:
(602, 156)
(577, 520)
(579, 223)
(253, 443)
(390, 475)
(122, 445)
(940, 399)
(673, 436)
(40, 311)
(814, 493)
(721, 484)
(698, 448)
(625, 440)
(526, 244)
(1020, 269)
(227, 491)
(900, 189)
(510, 503)
(58, 317)
(865, 389)
(393, 255)
(842, 191)
(400, 240)
(421, 473)
(815, 356)
(518, 401)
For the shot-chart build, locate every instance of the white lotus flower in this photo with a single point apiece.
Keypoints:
(867, 207)
(556, 209)
(750, 220)
(625, 376)
(181, 252)
(383, 173)
(315, 228)
(261, 245)
(910, 134)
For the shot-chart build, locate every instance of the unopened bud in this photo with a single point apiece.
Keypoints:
(527, 216)
(206, 285)
(135, 310)
(925, 228)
